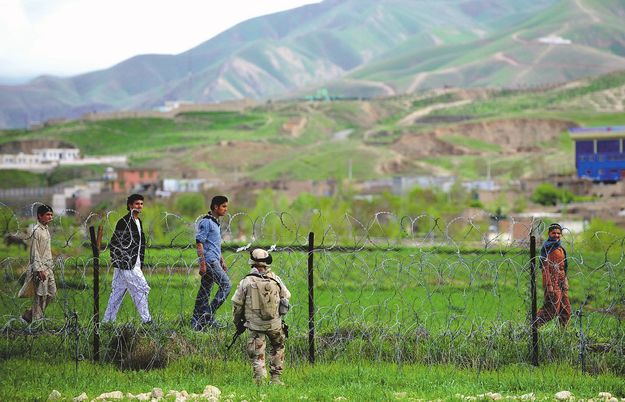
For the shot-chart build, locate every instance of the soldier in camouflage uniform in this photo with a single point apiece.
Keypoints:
(260, 301)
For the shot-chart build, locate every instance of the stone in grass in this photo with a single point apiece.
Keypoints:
(110, 395)
(177, 396)
(211, 392)
(54, 395)
(80, 398)
(528, 397)
(605, 395)
(563, 395)
(146, 396)
(157, 393)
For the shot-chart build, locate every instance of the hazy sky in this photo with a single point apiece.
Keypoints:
(66, 37)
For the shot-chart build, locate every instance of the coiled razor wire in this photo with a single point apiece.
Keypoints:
(405, 289)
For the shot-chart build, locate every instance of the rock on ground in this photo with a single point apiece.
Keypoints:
(146, 396)
(563, 395)
(80, 398)
(110, 395)
(157, 393)
(211, 392)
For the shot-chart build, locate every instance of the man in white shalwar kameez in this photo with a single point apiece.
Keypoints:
(127, 249)
(40, 283)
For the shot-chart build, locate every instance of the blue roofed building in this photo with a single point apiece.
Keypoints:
(599, 153)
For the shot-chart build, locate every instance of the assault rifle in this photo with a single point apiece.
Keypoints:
(240, 329)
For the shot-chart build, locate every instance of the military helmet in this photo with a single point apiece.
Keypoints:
(260, 257)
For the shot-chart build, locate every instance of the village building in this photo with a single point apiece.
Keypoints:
(599, 153)
(135, 179)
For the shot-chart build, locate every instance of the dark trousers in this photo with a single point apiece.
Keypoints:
(204, 312)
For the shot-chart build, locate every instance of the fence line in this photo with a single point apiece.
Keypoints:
(402, 289)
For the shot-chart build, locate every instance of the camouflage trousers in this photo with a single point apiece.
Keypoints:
(256, 352)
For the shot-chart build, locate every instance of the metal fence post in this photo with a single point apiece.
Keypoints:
(534, 323)
(311, 300)
(582, 337)
(95, 248)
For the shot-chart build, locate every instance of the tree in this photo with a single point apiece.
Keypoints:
(548, 194)
(190, 204)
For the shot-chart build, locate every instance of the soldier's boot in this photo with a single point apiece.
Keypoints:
(259, 380)
(275, 380)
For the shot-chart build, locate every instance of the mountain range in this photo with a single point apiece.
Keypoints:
(354, 48)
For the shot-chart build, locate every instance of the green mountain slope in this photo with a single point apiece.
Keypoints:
(358, 48)
(516, 57)
(268, 56)
(441, 132)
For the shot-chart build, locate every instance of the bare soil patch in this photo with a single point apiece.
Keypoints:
(512, 135)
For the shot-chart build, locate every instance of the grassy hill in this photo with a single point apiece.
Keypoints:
(443, 132)
(275, 56)
(514, 56)
(355, 48)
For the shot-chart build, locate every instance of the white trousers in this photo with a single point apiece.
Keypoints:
(133, 281)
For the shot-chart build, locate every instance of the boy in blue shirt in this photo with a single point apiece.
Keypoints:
(212, 266)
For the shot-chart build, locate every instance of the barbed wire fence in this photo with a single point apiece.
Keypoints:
(386, 288)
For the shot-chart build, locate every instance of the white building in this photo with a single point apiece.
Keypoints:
(44, 159)
(47, 155)
(183, 185)
(19, 159)
(555, 40)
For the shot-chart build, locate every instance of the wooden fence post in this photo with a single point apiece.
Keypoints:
(311, 300)
(95, 249)
(534, 323)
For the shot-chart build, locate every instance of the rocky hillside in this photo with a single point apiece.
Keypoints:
(359, 48)
(465, 132)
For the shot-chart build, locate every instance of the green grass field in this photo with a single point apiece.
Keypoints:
(18, 178)
(391, 323)
(425, 299)
(321, 382)
(127, 136)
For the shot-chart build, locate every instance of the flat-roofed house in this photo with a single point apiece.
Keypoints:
(600, 153)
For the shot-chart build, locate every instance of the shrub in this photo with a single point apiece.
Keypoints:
(548, 194)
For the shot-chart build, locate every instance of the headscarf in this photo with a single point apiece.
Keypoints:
(552, 244)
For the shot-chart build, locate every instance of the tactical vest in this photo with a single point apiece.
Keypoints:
(265, 295)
